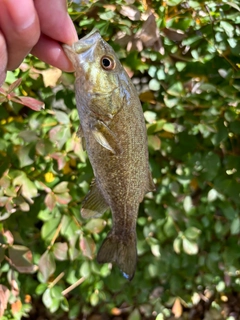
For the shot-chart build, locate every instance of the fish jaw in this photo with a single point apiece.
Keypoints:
(71, 54)
(84, 45)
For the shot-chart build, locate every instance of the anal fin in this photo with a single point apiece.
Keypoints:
(93, 205)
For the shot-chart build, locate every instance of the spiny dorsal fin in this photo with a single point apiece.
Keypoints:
(93, 205)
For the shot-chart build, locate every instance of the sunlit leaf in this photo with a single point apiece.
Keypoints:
(88, 247)
(95, 225)
(190, 247)
(60, 250)
(31, 103)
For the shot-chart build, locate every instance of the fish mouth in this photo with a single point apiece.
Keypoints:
(81, 45)
(84, 43)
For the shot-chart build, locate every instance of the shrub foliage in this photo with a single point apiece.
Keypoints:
(183, 57)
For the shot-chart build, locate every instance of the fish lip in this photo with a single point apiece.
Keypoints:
(87, 42)
(81, 45)
(70, 53)
(84, 43)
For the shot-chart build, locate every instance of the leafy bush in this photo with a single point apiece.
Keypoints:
(183, 58)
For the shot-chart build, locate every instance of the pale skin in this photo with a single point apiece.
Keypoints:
(34, 26)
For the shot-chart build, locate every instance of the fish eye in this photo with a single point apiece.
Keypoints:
(107, 63)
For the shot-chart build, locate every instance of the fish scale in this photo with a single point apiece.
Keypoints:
(113, 127)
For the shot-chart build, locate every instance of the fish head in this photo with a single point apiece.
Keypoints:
(96, 62)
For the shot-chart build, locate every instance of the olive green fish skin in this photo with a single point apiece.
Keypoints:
(113, 126)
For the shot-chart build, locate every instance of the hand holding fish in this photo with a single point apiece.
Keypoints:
(36, 27)
(114, 133)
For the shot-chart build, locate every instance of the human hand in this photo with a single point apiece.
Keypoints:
(37, 27)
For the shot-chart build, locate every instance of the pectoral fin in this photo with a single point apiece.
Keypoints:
(93, 204)
(106, 138)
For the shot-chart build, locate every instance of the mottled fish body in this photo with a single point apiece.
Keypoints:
(113, 127)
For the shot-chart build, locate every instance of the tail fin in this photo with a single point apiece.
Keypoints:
(121, 251)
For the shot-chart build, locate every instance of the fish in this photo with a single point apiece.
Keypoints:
(113, 131)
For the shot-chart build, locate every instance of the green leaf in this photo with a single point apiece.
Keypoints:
(49, 228)
(54, 305)
(192, 233)
(28, 188)
(44, 147)
(47, 265)
(220, 286)
(173, 2)
(212, 195)
(154, 85)
(135, 315)
(47, 298)
(60, 251)
(228, 28)
(41, 288)
(154, 143)
(190, 247)
(64, 304)
(61, 187)
(155, 248)
(156, 126)
(69, 228)
(176, 89)
(187, 204)
(26, 155)
(59, 135)
(87, 247)
(169, 127)
(107, 15)
(50, 201)
(63, 198)
(233, 4)
(62, 117)
(56, 292)
(95, 225)
(94, 298)
(235, 226)
(177, 244)
(85, 269)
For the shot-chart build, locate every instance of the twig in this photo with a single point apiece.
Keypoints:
(73, 286)
(59, 277)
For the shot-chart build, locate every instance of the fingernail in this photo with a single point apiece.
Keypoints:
(21, 12)
(74, 36)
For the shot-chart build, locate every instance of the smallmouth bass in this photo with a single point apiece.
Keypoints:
(114, 132)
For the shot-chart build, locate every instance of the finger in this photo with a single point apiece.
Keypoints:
(20, 26)
(3, 58)
(51, 52)
(55, 21)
